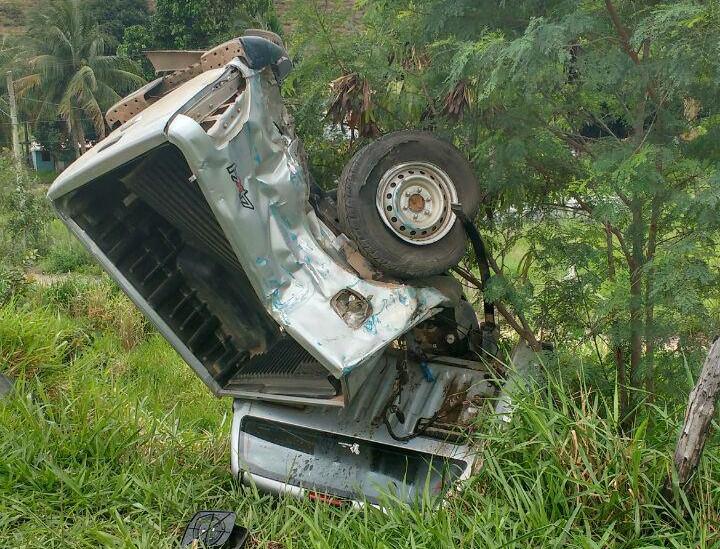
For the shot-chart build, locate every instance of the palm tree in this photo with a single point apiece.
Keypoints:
(8, 55)
(71, 76)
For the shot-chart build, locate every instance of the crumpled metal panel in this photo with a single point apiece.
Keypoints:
(253, 180)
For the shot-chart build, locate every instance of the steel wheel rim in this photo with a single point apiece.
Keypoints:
(414, 201)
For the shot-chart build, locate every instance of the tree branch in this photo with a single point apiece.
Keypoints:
(518, 324)
(608, 226)
(697, 426)
(622, 32)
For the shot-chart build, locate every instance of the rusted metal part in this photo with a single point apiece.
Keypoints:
(173, 60)
(132, 105)
(173, 80)
(221, 55)
(184, 64)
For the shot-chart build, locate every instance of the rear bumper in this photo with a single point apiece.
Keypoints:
(341, 446)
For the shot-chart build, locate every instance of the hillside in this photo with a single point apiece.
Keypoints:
(14, 13)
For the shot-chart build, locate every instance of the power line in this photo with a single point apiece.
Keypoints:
(49, 121)
(50, 103)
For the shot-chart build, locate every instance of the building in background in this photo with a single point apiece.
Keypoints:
(42, 161)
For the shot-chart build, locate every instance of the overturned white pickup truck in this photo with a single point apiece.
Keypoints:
(355, 362)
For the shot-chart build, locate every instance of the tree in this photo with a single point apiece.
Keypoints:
(114, 16)
(593, 128)
(8, 54)
(197, 24)
(70, 74)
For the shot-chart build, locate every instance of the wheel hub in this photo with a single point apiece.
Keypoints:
(414, 199)
(416, 203)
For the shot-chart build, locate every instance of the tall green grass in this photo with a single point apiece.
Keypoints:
(115, 443)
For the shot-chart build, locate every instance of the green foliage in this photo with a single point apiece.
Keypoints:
(136, 40)
(13, 282)
(65, 259)
(23, 214)
(192, 24)
(114, 16)
(593, 128)
(97, 302)
(66, 253)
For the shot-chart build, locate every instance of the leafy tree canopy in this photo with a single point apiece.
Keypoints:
(593, 127)
(114, 16)
(189, 24)
(68, 71)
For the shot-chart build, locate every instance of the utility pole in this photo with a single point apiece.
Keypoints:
(13, 118)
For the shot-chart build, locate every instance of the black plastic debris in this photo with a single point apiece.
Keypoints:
(216, 529)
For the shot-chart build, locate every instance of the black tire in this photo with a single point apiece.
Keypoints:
(362, 223)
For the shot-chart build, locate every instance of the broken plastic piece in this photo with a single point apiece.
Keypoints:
(6, 385)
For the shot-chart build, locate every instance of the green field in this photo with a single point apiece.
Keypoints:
(110, 440)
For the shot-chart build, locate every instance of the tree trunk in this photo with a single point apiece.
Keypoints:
(621, 380)
(649, 305)
(618, 353)
(649, 340)
(610, 252)
(636, 321)
(74, 141)
(81, 136)
(698, 418)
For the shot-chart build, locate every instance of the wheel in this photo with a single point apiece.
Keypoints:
(394, 201)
